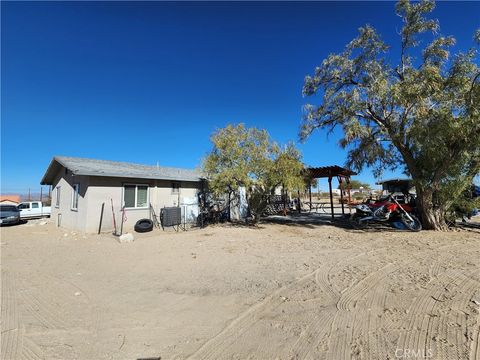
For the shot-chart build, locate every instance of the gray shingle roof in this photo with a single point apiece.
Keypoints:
(93, 167)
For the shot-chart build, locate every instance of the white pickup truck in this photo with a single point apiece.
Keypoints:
(33, 209)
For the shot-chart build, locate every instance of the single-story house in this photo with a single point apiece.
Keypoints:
(80, 187)
(10, 199)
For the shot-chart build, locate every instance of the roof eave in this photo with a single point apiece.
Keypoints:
(91, 173)
(46, 180)
(49, 175)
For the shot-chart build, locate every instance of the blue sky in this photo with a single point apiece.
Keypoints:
(149, 82)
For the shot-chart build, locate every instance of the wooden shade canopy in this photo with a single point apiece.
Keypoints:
(342, 174)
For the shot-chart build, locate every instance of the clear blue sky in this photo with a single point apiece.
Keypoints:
(147, 82)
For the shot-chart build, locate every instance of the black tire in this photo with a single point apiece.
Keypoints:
(144, 225)
(414, 225)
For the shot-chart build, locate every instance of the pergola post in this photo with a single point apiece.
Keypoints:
(310, 194)
(331, 195)
(330, 172)
(349, 197)
(340, 180)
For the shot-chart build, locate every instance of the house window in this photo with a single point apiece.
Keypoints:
(175, 187)
(135, 196)
(75, 189)
(57, 196)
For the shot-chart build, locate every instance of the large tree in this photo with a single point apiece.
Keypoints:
(240, 157)
(421, 113)
(287, 172)
(247, 157)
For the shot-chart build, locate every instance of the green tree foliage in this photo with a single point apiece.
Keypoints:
(286, 170)
(247, 157)
(464, 205)
(421, 114)
(240, 157)
(355, 184)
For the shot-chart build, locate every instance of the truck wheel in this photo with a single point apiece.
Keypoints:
(144, 225)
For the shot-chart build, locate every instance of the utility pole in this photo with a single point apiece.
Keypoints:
(29, 199)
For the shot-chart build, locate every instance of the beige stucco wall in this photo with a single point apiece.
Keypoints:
(64, 215)
(107, 190)
(95, 191)
(103, 190)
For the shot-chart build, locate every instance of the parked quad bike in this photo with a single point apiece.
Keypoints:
(387, 209)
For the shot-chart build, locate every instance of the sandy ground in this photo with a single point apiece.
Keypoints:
(272, 292)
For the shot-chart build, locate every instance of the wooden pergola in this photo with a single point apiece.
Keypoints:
(342, 174)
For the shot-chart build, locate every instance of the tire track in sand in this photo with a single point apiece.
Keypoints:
(352, 323)
(11, 333)
(53, 320)
(31, 351)
(359, 331)
(452, 322)
(412, 334)
(352, 294)
(475, 344)
(217, 347)
(348, 262)
(315, 336)
(41, 308)
(316, 329)
(416, 334)
(15, 345)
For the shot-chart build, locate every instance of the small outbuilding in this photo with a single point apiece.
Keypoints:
(392, 186)
(82, 188)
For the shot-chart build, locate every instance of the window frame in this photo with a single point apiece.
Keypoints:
(136, 196)
(75, 196)
(57, 196)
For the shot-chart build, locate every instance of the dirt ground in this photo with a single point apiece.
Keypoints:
(271, 292)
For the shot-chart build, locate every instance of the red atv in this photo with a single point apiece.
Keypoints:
(387, 209)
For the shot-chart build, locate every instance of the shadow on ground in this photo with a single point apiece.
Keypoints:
(469, 225)
(312, 220)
